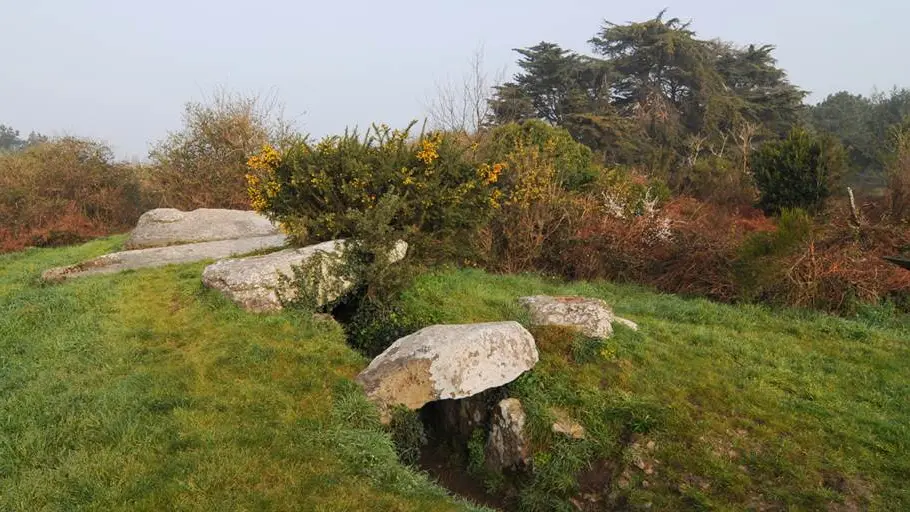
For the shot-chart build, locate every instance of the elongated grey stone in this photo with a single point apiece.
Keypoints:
(160, 256)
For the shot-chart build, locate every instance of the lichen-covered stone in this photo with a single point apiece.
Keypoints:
(261, 283)
(507, 443)
(448, 362)
(162, 227)
(565, 425)
(593, 317)
(626, 322)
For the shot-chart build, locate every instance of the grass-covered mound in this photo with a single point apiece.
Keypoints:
(142, 391)
(708, 406)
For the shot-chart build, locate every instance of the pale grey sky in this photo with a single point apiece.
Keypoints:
(121, 70)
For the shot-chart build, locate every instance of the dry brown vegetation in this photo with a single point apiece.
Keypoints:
(203, 165)
(65, 191)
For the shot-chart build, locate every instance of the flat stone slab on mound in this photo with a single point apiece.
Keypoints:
(593, 317)
(160, 256)
(448, 362)
(166, 226)
(259, 283)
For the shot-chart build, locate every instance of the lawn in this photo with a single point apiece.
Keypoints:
(142, 391)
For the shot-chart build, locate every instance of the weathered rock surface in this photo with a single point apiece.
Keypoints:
(593, 317)
(448, 362)
(160, 256)
(567, 426)
(166, 226)
(507, 444)
(260, 283)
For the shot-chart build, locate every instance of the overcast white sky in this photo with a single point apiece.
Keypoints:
(121, 70)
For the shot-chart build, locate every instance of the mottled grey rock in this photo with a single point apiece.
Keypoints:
(507, 444)
(160, 256)
(261, 283)
(448, 362)
(593, 317)
(166, 226)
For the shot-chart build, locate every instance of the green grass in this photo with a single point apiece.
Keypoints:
(143, 391)
(708, 406)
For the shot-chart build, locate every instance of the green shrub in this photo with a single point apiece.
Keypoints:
(369, 311)
(430, 191)
(898, 172)
(435, 193)
(758, 263)
(799, 171)
(542, 167)
(718, 180)
(573, 162)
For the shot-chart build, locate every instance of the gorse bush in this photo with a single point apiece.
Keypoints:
(572, 162)
(799, 171)
(434, 191)
(203, 165)
(543, 169)
(65, 191)
(431, 191)
(540, 165)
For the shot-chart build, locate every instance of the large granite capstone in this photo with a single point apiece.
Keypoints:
(166, 226)
(448, 362)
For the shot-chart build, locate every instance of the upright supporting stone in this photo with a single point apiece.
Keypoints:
(507, 443)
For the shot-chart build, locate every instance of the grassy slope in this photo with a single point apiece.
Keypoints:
(142, 391)
(708, 406)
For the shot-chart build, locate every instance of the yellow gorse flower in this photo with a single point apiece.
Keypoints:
(429, 149)
(489, 174)
(266, 160)
(262, 165)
